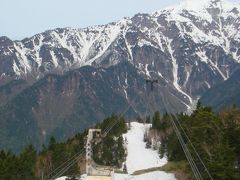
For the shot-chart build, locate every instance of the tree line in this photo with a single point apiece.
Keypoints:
(215, 136)
(33, 165)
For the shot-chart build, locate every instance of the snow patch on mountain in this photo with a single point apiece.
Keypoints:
(175, 43)
(109, 34)
(175, 72)
(21, 54)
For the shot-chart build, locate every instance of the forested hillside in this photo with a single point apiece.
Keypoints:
(224, 94)
(30, 164)
(215, 137)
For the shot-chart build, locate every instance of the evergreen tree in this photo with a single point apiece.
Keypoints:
(214, 136)
(156, 121)
(222, 163)
(27, 160)
(148, 120)
(110, 151)
(162, 148)
(52, 143)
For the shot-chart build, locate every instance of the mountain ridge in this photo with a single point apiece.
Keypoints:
(63, 49)
(187, 52)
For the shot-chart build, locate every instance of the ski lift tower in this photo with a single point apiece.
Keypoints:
(151, 83)
(150, 88)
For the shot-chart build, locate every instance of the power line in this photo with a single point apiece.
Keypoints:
(106, 131)
(184, 132)
(183, 145)
(66, 165)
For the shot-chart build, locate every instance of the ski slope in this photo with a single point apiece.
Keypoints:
(157, 175)
(138, 157)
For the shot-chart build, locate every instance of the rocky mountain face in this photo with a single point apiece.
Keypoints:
(189, 48)
(192, 46)
(62, 105)
(225, 94)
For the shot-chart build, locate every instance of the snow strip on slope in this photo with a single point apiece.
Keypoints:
(138, 156)
(157, 175)
(175, 72)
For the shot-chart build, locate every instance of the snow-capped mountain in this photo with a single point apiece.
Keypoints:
(189, 48)
(193, 45)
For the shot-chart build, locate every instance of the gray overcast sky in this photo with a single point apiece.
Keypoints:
(24, 18)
